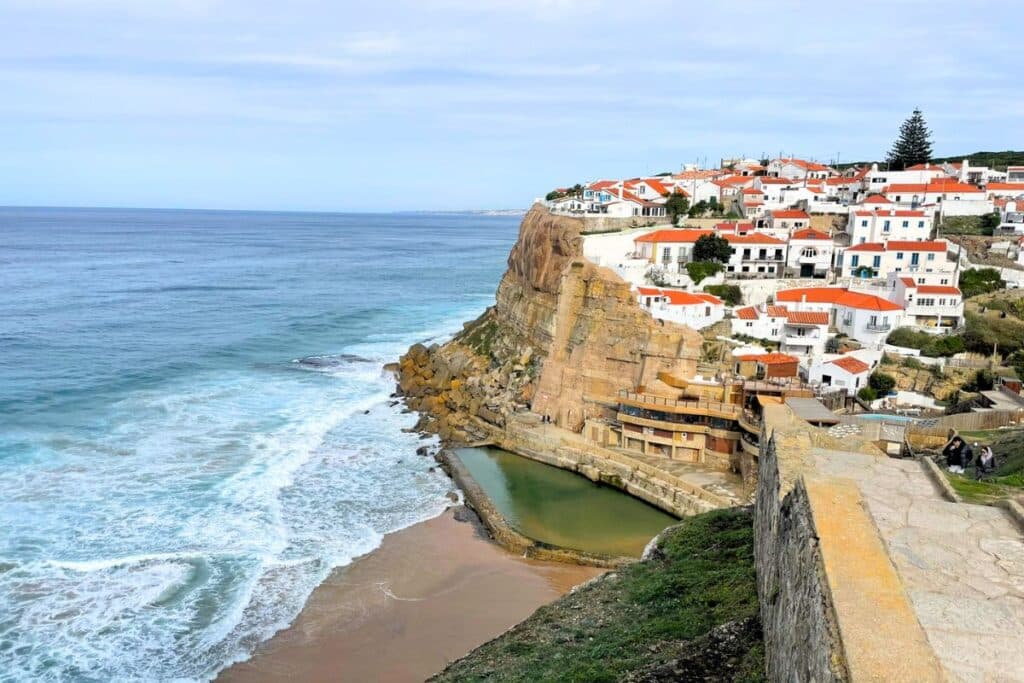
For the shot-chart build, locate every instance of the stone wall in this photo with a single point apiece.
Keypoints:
(800, 633)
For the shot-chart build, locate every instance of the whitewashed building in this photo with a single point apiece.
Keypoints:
(881, 225)
(755, 255)
(810, 253)
(801, 332)
(839, 372)
(693, 309)
(861, 316)
(934, 308)
(877, 259)
(798, 169)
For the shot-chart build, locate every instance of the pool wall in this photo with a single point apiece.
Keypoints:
(506, 536)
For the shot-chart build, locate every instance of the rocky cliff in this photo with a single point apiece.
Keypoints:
(563, 337)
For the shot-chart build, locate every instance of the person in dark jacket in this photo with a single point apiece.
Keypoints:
(954, 455)
(986, 463)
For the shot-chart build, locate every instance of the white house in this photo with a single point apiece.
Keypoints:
(934, 308)
(1004, 189)
(880, 225)
(876, 180)
(810, 253)
(785, 221)
(696, 310)
(798, 169)
(876, 259)
(668, 249)
(755, 255)
(861, 316)
(802, 332)
(951, 197)
(839, 372)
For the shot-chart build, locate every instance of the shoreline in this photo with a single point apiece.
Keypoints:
(428, 595)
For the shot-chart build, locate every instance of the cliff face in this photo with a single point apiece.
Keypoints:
(563, 337)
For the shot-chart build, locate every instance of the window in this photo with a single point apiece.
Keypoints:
(775, 331)
(931, 257)
(666, 254)
(876, 261)
(746, 254)
(750, 324)
(885, 226)
(920, 224)
(942, 302)
(899, 255)
(809, 252)
(926, 302)
(906, 224)
(943, 281)
(762, 254)
(855, 260)
(746, 269)
(707, 311)
(898, 198)
(864, 223)
(760, 269)
(915, 258)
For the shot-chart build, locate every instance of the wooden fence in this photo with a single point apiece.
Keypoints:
(935, 432)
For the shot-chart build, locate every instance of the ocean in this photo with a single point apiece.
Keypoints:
(195, 427)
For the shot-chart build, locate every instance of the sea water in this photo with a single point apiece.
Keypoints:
(195, 426)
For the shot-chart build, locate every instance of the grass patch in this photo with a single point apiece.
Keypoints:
(641, 617)
(1007, 480)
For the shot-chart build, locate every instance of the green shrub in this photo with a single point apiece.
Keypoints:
(980, 281)
(983, 380)
(881, 383)
(732, 295)
(867, 394)
(698, 270)
(962, 225)
(933, 346)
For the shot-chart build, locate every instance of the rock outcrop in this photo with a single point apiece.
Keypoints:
(563, 338)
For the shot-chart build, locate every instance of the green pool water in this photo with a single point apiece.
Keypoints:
(562, 508)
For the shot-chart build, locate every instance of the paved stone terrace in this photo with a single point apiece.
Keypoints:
(961, 565)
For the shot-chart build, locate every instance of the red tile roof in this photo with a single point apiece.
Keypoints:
(808, 317)
(1006, 187)
(751, 190)
(851, 364)
(752, 238)
(900, 213)
(776, 311)
(772, 358)
(839, 296)
(810, 234)
(657, 186)
(876, 199)
(806, 165)
(748, 313)
(673, 236)
(790, 213)
(905, 245)
(868, 246)
(941, 185)
(909, 282)
(733, 227)
(937, 289)
(678, 298)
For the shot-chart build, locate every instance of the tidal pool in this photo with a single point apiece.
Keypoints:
(562, 508)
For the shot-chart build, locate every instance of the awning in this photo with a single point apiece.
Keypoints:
(812, 410)
(765, 400)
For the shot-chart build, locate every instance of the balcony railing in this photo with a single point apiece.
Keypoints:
(695, 404)
(878, 327)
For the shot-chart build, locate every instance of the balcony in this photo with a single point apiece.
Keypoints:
(800, 340)
(878, 327)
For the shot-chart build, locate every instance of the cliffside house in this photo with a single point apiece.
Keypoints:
(810, 254)
(839, 372)
(948, 196)
(932, 307)
(801, 332)
(755, 255)
(670, 249)
(864, 317)
(878, 259)
(772, 365)
(798, 169)
(696, 310)
(782, 222)
(881, 225)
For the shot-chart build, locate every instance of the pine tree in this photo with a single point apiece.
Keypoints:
(914, 145)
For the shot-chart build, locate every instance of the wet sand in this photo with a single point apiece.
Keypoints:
(427, 596)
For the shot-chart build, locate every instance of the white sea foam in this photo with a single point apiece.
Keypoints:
(236, 496)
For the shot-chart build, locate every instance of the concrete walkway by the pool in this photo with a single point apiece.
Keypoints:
(961, 565)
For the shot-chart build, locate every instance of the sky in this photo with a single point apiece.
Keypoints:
(459, 104)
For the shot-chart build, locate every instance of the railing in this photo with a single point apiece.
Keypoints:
(878, 327)
(696, 404)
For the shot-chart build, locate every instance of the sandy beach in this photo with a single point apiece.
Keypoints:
(427, 596)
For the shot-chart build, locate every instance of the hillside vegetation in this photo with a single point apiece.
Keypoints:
(690, 612)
